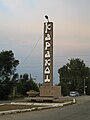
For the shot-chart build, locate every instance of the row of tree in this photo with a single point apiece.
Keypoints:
(10, 82)
(75, 76)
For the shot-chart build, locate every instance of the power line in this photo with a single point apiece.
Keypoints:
(29, 55)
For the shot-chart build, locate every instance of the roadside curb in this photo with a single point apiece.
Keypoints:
(47, 106)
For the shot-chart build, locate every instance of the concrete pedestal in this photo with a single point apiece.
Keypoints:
(50, 91)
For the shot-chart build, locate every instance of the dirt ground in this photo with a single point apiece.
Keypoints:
(15, 107)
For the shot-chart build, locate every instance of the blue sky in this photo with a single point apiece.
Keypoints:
(21, 30)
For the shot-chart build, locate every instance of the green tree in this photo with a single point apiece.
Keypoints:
(25, 84)
(88, 87)
(73, 74)
(8, 65)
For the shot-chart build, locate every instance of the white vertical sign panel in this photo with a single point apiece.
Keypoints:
(48, 53)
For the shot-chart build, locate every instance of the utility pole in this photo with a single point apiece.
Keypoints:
(84, 88)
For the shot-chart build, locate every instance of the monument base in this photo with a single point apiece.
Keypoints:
(50, 91)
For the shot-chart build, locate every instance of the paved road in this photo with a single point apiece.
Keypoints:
(79, 111)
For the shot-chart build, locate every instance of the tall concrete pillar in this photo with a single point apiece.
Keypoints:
(48, 53)
(47, 89)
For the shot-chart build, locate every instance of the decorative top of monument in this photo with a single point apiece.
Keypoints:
(47, 18)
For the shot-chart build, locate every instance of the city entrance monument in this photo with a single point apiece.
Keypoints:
(48, 89)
